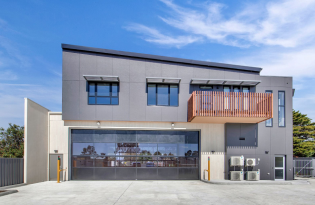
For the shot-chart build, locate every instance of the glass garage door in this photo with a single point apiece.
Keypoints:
(130, 155)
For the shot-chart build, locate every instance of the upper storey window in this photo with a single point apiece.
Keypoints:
(103, 93)
(281, 105)
(163, 94)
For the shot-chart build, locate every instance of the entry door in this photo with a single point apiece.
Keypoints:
(53, 167)
(279, 167)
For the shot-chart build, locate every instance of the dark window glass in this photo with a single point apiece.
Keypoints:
(103, 89)
(80, 161)
(206, 87)
(173, 95)
(105, 94)
(167, 162)
(151, 94)
(103, 100)
(127, 149)
(104, 149)
(281, 110)
(114, 89)
(146, 149)
(270, 121)
(114, 101)
(281, 98)
(278, 161)
(92, 89)
(187, 162)
(236, 89)
(83, 149)
(188, 150)
(245, 89)
(102, 161)
(167, 149)
(91, 100)
(127, 162)
(163, 94)
(147, 161)
(106, 152)
(226, 88)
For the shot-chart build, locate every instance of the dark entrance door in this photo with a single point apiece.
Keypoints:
(130, 155)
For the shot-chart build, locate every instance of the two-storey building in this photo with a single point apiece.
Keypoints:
(138, 116)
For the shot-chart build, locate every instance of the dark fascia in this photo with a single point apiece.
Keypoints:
(160, 58)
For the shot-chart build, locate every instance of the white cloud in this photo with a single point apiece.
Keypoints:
(154, 36)
(299, 62)
(285, 23)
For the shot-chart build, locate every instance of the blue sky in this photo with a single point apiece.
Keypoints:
(278, 36)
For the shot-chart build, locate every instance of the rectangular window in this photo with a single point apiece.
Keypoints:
(205, 87)
(226, 89)
(162, 94)
(103, 94)
(281, 110)
(269, 123)
(245, 89)
(236, 89)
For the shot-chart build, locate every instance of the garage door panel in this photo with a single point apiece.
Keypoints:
(168, 173)
(126, 173)
(188, 173)
(104, 173)
(83, 173)
(131, 155)
(147, 173)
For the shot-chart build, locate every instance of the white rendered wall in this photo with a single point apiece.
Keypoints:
(58, 139)
(35, 142)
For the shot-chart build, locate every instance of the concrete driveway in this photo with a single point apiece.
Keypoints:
(159, 192)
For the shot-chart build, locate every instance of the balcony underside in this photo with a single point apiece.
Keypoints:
(222, 120)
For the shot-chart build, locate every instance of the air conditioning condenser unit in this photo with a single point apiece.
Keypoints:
(253, 175)
(250, 162)
(237, 161)
(237, 175)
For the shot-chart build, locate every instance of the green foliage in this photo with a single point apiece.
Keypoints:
(12, 141)
(303, 129)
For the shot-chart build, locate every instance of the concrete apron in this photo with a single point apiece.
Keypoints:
(261, 182)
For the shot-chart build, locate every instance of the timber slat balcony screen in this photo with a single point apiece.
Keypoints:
(222, 107)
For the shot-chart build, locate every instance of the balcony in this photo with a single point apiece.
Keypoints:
(229, 107)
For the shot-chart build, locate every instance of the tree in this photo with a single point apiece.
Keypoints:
(303, 129)
(12, 141)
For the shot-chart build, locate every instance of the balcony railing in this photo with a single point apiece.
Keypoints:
(230, 107)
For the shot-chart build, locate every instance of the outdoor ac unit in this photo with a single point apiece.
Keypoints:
(250, 162)
(237, 175)
(253, 175)
(237, 161)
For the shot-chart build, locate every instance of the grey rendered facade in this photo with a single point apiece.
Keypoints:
(133, 69)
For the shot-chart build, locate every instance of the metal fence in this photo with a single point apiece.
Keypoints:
(304, 167)
(11, 171)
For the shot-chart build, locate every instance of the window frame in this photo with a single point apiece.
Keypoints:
(281, 91)
(156, 94)
(206, 89)
(95, 91)
(271, 119)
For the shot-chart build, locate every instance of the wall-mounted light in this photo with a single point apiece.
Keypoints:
(56, 151)
(173, 124)
(98, 123)
(212, 151)
(266, 152)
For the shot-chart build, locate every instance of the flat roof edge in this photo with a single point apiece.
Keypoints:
(160, 58)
